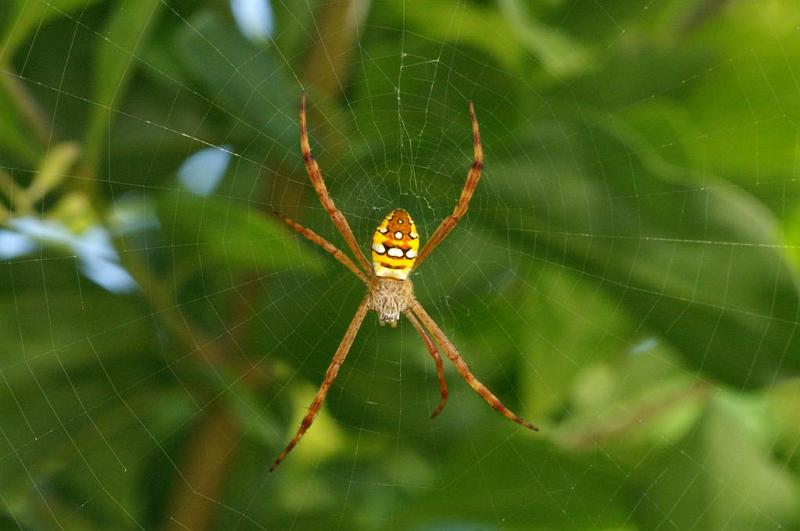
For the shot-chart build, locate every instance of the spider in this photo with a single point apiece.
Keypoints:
(395, 255)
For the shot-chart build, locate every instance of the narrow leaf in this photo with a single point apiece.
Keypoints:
(117, 58)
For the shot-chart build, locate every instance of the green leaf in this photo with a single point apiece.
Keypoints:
(23, 17)
(721, 476)
(72, 310)
(692, 258)
(16, 138)
(250, 86)
(783, 401)
(126, 33)
(567, 326)
(559, 54)
(478, 27)
(53, 170)
(532, 486)
(745, 108)
(229, 234)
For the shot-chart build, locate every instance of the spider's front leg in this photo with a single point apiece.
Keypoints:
(315, 175)
(473, 176)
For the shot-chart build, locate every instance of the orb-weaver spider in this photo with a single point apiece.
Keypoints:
(389, 291)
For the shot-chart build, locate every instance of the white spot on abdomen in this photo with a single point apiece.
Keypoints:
(395, 252)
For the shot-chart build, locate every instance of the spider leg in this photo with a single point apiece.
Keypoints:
(436, 358)
(474, 175)
(314, 173)
(330, 376)
(328, 246)
(463, 369)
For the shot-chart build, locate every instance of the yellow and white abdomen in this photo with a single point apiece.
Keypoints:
(395, 245)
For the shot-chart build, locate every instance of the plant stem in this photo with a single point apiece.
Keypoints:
(16, 195)
(27, 105)
(702, 13)
(209, 450)
(329, 61)
(624, 425)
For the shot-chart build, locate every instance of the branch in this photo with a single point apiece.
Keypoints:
(621, 426)
(329, 61)
(209, 451)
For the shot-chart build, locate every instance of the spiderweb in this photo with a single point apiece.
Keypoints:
(625, 277)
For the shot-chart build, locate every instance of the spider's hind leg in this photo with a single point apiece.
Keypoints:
(330, 376)
(437, 359)
(463, 369)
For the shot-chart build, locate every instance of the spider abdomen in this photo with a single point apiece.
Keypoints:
(395, 244)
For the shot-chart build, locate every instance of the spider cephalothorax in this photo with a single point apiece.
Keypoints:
(395, 254)
(389, 298)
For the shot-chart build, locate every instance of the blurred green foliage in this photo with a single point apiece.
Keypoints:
(627, 275)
